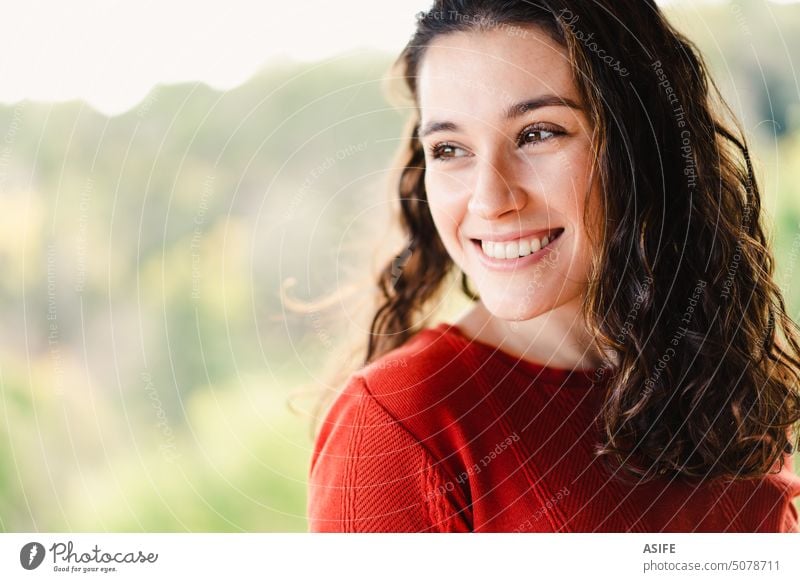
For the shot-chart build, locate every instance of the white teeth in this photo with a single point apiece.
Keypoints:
(513, 249)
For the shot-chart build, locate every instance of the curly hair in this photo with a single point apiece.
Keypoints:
(701, 383)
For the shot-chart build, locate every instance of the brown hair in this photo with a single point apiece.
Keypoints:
(682, 289)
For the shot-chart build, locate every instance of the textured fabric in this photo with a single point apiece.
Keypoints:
(448, 434)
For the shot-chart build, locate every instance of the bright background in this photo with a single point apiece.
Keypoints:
(164, 167)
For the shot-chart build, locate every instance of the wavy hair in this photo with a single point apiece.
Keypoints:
(703, 361)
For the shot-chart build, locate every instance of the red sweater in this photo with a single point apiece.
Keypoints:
(448, 434)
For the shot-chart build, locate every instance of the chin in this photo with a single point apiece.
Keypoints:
(522, 302)
(513, 309)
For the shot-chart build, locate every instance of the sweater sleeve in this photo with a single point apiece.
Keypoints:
(369, 474)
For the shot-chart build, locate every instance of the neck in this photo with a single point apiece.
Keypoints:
(558, 338)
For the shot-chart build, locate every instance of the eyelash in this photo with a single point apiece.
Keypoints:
(435, 149)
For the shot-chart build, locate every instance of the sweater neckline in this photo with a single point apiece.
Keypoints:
(578, 378)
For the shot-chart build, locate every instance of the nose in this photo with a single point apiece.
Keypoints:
(496, 189)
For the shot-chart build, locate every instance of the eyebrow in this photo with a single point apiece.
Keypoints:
(512, 112)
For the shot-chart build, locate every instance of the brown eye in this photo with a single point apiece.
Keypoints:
(537, 134)
(445, 151)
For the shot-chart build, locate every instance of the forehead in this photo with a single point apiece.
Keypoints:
(477, 73)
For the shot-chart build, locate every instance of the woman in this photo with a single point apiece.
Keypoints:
(628, 364)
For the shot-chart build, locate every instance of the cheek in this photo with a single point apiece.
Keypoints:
(447, 204)
(562, 182)
(558, 186)
(567, 179)
(586, 201)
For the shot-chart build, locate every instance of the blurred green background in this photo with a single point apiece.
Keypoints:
(146, 357)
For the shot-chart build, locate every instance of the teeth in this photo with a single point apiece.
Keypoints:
(513, 249)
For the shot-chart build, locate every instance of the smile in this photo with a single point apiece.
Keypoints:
(515, 254)
(514, 249)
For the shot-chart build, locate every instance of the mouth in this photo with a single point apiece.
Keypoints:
(516, 249)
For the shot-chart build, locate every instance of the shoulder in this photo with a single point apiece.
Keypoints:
(768, 503)
(368, 473)
(428, 377)
(422, 356)
(783, 492)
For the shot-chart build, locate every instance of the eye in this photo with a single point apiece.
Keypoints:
(444, 151)
(537, 133)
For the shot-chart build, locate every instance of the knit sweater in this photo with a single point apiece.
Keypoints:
(450, 434)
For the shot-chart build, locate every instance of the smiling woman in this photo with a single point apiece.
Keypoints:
(628, 363)
(501, 177)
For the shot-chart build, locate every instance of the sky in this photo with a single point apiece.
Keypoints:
(111, 53)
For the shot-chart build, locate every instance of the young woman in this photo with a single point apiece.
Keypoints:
(628, 364)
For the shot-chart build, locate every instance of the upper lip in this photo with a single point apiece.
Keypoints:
(504, 237)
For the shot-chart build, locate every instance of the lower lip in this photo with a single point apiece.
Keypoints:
(507, 265)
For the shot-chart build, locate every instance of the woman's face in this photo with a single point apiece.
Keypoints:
(508, 161)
